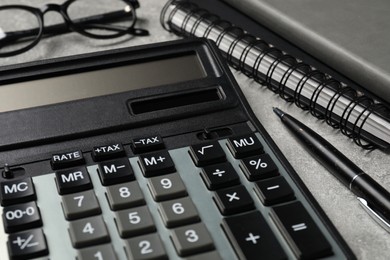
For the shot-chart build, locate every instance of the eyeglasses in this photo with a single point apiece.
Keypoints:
(22, 27)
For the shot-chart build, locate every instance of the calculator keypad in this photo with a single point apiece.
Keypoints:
(190, 203)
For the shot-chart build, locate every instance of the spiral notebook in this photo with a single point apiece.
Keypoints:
(341, 106)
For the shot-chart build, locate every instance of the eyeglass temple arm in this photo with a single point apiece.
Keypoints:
(89, 22)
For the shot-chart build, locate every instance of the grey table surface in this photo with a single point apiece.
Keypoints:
(366, 238)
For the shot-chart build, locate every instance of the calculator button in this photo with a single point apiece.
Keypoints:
(259, 167)
(213, 255)
(88, 232)
(18, 191)
(178, 212)
(244, 146)
(27, 244)
(66, 160)
(115, 171)
(73, 180)
(134, 221)
(80, 205)
(21, 217)
(167, 187)
(192, 239)
(147, 144)
(274, 190)
(125, 195)
(299, 230)
(157, 163)
(106, 152)
(233, 200)
(145, 247)
(219, 176)
(208, 153)
(252, 238)
(100, 252)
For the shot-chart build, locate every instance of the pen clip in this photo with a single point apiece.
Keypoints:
(379, 219)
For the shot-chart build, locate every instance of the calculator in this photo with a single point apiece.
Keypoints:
(147, 152)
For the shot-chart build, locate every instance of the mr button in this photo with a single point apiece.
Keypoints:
(65, 160)
(73, 180)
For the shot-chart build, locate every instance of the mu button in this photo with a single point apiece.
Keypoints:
(245, 145)
(73, 180)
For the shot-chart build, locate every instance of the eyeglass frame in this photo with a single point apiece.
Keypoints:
(70, 25)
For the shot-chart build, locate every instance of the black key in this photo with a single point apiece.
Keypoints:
(73, 180)
(106, 152)
(27, 244)
(21, 217)
(208, 153)
(300, 231)
(147, 144)
(66, 160)
(252, 238)
(259, 167)
(244, 146)
(233, 200)
(115, 171)
(274, 190)
(157, 163)
(220, 176)
(17, 191)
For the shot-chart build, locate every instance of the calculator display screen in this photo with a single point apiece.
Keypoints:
(100, 82)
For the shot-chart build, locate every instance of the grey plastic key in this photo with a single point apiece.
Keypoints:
(167, 187)
(125, 195)
(80, 205)
(135, 221)
(88, 232)
(178, 212)
(100, 252)
(192, 239)
(145, 247)
(213, 255)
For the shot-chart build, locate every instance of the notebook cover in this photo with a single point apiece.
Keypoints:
(351, 36)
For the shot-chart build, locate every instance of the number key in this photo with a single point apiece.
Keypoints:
(101, 252)
(145, 248)
(88, 232)
(125, 195)
(178, 212)
(167, 187)
(79, 205)
(134, 221)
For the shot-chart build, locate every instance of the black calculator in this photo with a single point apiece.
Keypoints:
(147, 152)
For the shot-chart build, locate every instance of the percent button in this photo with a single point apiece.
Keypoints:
(259, 167)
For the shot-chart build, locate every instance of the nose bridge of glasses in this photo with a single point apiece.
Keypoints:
(51, 8)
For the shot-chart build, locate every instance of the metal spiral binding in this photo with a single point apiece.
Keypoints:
(352, 130)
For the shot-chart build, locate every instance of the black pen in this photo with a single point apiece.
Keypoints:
(373, 197)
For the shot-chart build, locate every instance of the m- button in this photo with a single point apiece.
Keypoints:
(68, 159)
(73, 180)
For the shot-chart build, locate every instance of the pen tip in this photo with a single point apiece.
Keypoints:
(278, 112)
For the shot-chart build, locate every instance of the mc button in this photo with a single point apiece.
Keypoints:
(18, 191)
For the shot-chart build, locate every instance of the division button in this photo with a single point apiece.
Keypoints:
(125, 195)
(192, 239)
(21, 217)
(145, 247)
(106, 152)
(244, 146)
(254, 239)
(115, 171)
(73, 180)
(299, 229)
(207, 153)
(274, 190)
(147, 144)
(17, 191)
(68, 159)
(80, 205)
(102, 252)
(166, 187)
(156, 163)
(134, 222)
(88, 232)
(219, 176)
(259, 167)
(233, 200)
(178, 212)
(27, 244)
